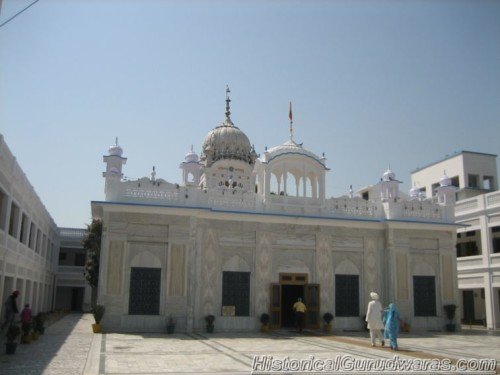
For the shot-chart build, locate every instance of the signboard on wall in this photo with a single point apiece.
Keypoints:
(228, 310)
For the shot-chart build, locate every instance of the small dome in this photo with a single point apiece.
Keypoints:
(191, 156)
(414, 192)
(445, 180)
(290, 147)
(115, 150)
(389, 175)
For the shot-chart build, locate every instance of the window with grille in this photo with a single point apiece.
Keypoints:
(144, 291)
(346, 295)
(424, 295)
(236, 291)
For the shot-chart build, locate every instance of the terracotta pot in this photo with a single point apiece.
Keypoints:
(327, 328)
(96, 328)
(26, 339)
(264, 328)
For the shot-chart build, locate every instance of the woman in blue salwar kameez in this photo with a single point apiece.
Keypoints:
(392, 326)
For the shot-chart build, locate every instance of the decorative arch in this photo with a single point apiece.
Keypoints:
(275, 185)
(145, 259)
(292, 266)
(291, 185)
(346, 267)
(236, 264)
(422, 268)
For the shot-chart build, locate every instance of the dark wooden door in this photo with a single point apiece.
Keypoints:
(311, 300)
(468, 303)
(275, 306)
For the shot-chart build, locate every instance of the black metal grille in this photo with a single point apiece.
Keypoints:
(346, 295)
(424, 295)
(236, 291)
(144, 291)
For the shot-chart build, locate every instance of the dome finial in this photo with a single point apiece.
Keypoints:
(116, 141)
(290, 116)
(153, 174)
(228, 108)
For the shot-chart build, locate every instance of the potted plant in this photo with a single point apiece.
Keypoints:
(327, 317)
(450, 314)
(264, 320)
(26, 337)
(39, 322)
(209, 320)
(12, 334)
(170, 325)
(98, 312)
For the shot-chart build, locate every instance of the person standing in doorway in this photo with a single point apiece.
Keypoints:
(374, 319)
(300, 312)
(10, 309)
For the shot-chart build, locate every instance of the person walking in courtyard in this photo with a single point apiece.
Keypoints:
(10, 309)
(300, 312)
(374, 319)
(26, 315)
(392, 326)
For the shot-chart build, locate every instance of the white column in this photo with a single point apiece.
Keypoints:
(304, 183)
(267, 183)
(285, 178)
(489, 297)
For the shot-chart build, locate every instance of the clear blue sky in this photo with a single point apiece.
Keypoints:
(372, 83)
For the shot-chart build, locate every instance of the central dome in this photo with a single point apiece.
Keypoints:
(227, 141)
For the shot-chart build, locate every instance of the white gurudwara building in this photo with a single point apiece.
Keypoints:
(246, 234)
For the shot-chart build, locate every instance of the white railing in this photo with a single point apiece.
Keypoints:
(467, 205)
(351, 207)
(422, 210)
(235, 199)
(70, 269)
(471, 261)
(72, 232)
(493, 199)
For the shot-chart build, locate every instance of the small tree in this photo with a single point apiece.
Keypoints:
(92, 243)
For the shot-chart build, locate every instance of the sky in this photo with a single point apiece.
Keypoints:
(372, 83)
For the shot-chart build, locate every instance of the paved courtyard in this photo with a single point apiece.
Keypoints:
(69, 347)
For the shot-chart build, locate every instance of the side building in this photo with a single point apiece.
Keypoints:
(244, 234)
(29, 239)
(477, 208)
(72, 290)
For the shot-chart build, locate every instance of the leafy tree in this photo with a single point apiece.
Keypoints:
(92, 243)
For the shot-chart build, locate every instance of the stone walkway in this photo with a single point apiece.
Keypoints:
(70, 347)
(62, 350)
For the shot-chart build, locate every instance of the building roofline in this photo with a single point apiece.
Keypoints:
(275, 214)
(455, 154)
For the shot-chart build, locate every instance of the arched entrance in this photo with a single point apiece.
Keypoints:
(284, 294)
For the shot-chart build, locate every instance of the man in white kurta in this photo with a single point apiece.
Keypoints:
(374, 319)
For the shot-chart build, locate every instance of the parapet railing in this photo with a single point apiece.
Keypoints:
(236, 199)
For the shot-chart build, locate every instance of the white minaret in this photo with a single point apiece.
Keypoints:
(114, 162)
(415, 193)
(389, 186)
(446, 191)
(191, 169)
